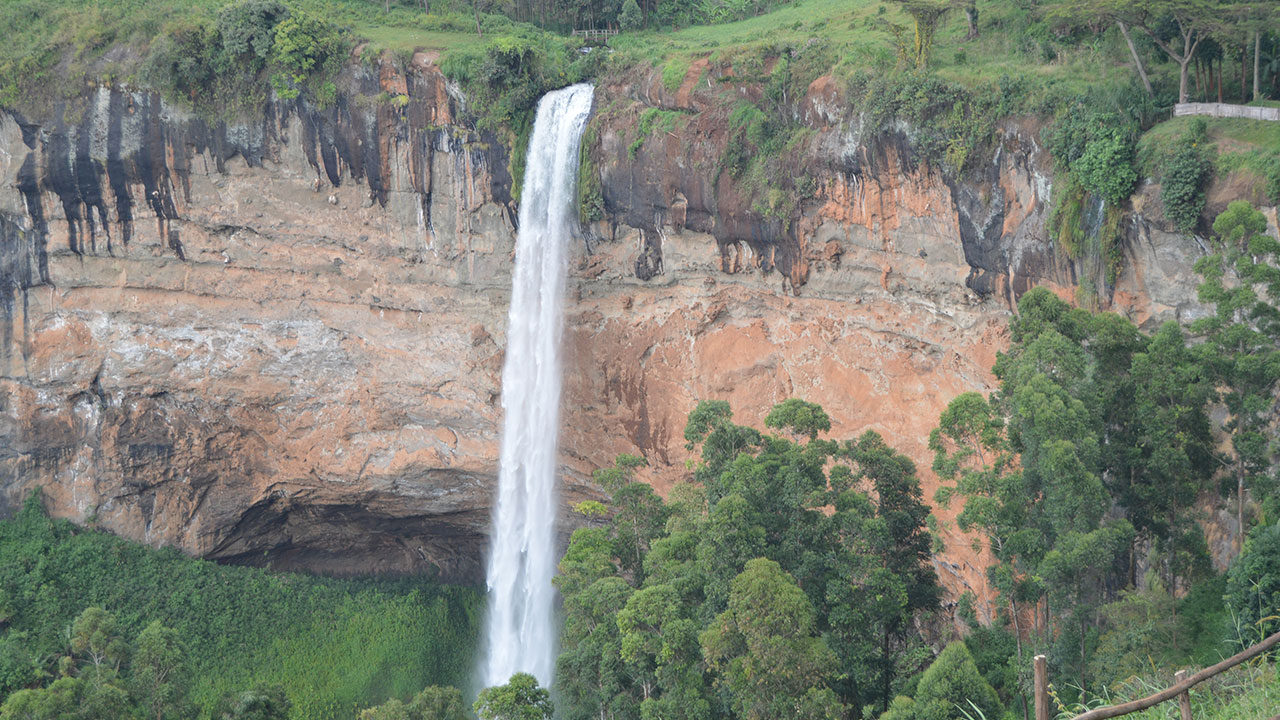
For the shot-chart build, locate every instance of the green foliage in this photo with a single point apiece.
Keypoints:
(801, 418)
(764, 649)
(433, 703)
(260, 703)
(951, 124)
(248, 30)
(519, 699)
(305, 45)
(590, 193)
(506, 76)
(630, 19)
(332, 644)
(673, 73)
(1239, 224)
(1106, 167)
(652, 120)
(1241, 352)
(950, 684)
(1184, 174)
(159, 672)
(778, 557)
(1253, 585)
(1096, 445)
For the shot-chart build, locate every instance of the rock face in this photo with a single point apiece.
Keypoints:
(280, 343)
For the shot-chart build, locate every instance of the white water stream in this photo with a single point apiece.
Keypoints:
(520, 631)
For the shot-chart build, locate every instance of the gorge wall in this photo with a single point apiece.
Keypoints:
(280, 342)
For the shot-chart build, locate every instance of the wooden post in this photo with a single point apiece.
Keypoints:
(1184, 700)
(1041, 665)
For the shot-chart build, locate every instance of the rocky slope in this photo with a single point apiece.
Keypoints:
(281, 342)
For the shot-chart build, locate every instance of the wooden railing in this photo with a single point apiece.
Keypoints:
(1178, 689)
(1225, 110)
(595, 34)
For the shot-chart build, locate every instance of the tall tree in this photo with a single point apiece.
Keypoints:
(764, 650)
(158, 670)
(1242, 348)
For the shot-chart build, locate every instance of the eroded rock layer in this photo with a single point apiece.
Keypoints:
(280, 342)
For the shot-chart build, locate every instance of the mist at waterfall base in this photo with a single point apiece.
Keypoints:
(520, 627)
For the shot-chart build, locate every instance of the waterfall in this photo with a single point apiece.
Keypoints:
(520, 632)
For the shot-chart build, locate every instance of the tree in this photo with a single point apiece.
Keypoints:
(803, 419)
(916, 47)
(158, 670)
(248, 29)
(639, 515)
(1174, 457)
(661, 652)
(259, 703)
(903, 581)
(96, 637)
(952, 688)
(591, 676)
(1106, 11)
(764, 652)
(519, 699)
(432, 703)
(1253, 585)
(631, 18)
(1195, 20)
(1240, 353)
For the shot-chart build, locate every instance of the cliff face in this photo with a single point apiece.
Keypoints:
(281, 342)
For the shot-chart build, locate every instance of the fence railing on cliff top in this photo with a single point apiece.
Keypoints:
(1225, 110)
(1177, 690)
(595, 34)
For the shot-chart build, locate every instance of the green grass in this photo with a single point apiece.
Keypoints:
(1245, 147)
(858, 38)
(60, 46)
(333, 645)
(1248, 691)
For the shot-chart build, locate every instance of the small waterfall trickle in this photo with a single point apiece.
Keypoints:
(520, 632)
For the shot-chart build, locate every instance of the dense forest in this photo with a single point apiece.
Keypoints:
(791, 574)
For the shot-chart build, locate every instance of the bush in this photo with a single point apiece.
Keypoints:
(1273, 181)
(950, 684)
(1106, 167)
(248, 30)
(305, 45)
(1253, 585)
(1185, 172)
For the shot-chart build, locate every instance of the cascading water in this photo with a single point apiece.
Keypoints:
(520, 634)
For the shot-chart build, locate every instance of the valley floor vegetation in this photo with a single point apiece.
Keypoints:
(96, 627)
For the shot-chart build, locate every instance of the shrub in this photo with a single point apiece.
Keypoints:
(673, 73)
(1106, 167)
(305, 45)
(1185, 172)
(1253, 585)
(1273, 181)
(950, 684)
(248, 30)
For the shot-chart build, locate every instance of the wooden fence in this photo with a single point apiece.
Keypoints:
(595, 34)
(1178, 689)
(1224, 110)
